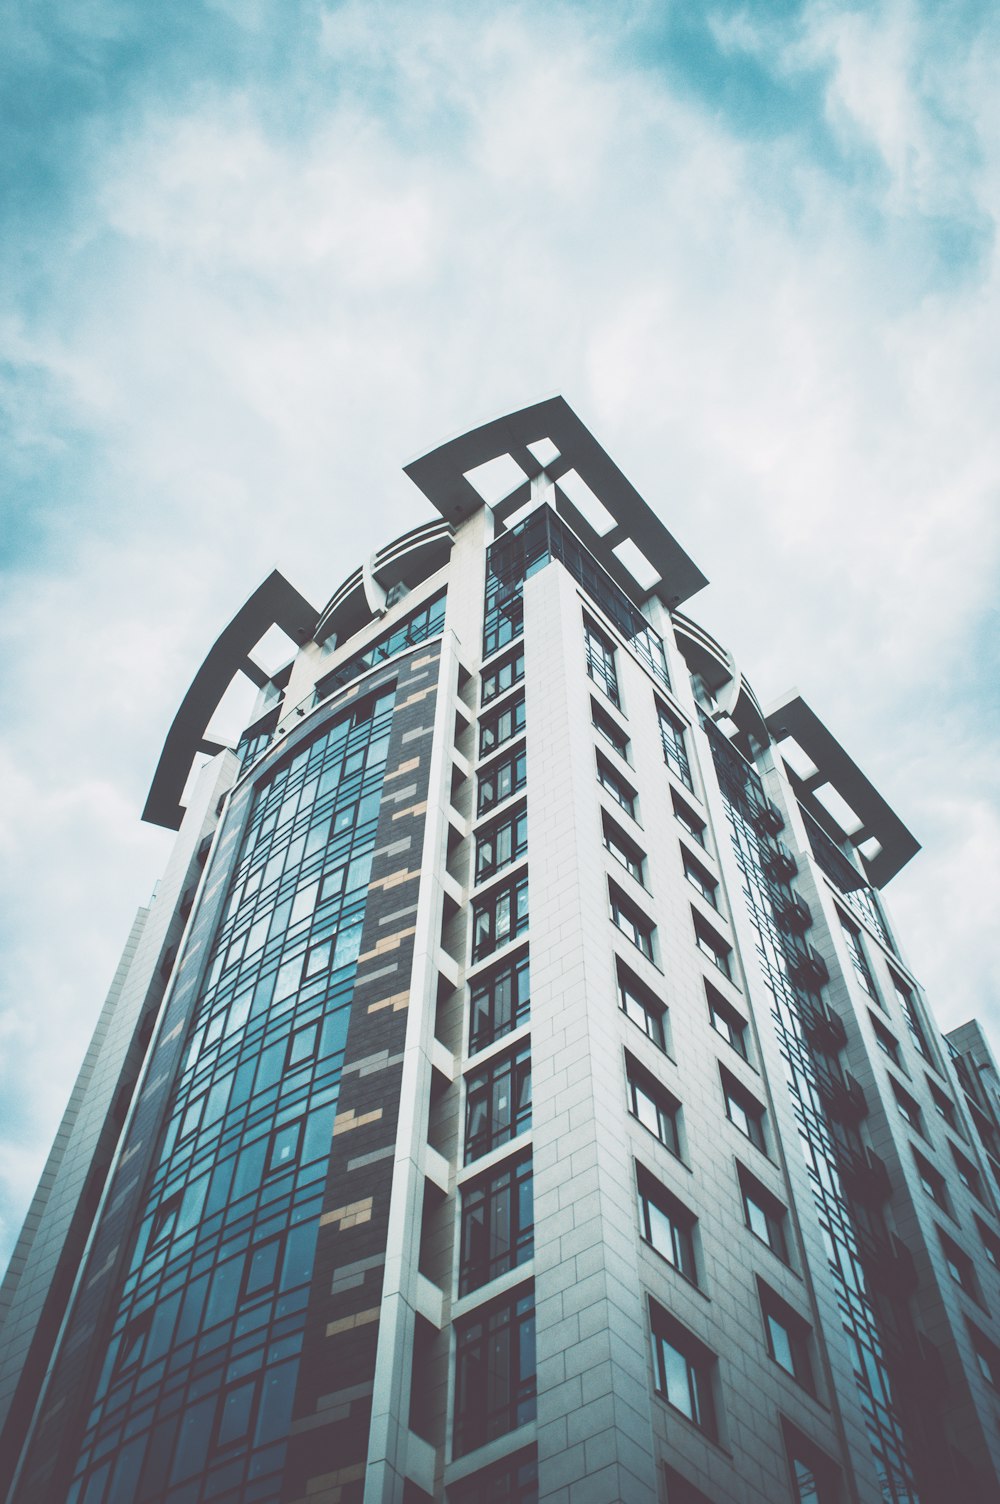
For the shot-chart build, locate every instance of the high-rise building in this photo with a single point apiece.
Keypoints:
(516, 1089)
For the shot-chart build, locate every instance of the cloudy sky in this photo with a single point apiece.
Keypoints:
(255, 255)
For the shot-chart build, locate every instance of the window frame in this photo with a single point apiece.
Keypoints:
(773, 1214)
(737, 1098)
(600, 652)
(665, 1107)
(797, 1334)
(653, 1021)
(712, 945)
(494, 673)
(608, 728)
(674, 744)
(700, 878)
(621, 791)
(672, 1237)
(688, 820)
(513, 822)
(699, 1405)
(476, 1420)
(501, 1192)
(515, 891)
(736, 1028)
(631, 921)
(499, 1122)
(484, 983)
(625, 851)
(501, 725)
(516, 759)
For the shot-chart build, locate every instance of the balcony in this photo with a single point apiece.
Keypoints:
(793, 914)
(808, 969)
(824, 1026)
(843, 1096)
(768, 819)
(865, 1176)
(888, 1262)
(779, 864)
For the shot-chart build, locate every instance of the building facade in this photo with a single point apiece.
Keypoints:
(516, 1089)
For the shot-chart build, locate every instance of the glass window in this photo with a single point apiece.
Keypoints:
(959, 1265)
(284, 1146)
(501, 779)
(427, 622)
(743, 1110)
(726, 1021)
(712, 945)
(620, 790)
(653, 1106)
(908, 1108)
(944, 1106)
(904, 997)
(666, 1224)
(859, 961)
(764, 1214)
(500, 725)
(502, 676)
(499, 1002)
(684, 1370)
(700, 879)
(642, 1006)
(601, 659)
(495, 1370)
(498, 1223)
(787, 1336)
(991, 1243)
(886, 1040)
(497, 1102)
(814, 1478)
(512, 1481)
(967, 1173)
(501, 843)
(623, 848)
(610, 730)
(687, 819)
(498, 916)
(672, 740)
(633, 923)
(931, 1180)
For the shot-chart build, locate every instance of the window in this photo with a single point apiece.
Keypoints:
(852, 936)
(623, 848)
(967, 1173)
(672, 741)
(642, 1006)
(498, 1223)
(700, 879)
(497, 1102)
(944, 1106)
(666, 1225)
(502, 677)
(500, 725)
(886, 1041)
(632, 922)
(987, 1356)
(687, 819)
(501, 779)
(904, 997)
(959, 1265)
(610, 730)
(512, 1481)
(601, 660)
(684, 1370)
(498, 916)
(495, 1370)
(284, 1149)
(743, 1110)
(165, 1219)
(680, 1490)
(622, 792)
(908, 1108)
(764, 1214)
(726, 1021)
(501, 843)
(814, 1477)
(653, 1106)
(991, 1243)
(787, 1336)
(712, 945)
(932, 1181)
(499, 1002)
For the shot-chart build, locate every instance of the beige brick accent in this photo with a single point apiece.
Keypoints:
(348, 1323)
(351, 1215)
(395, 878)
(418, 694)
(404, 767)
(397, 1003)
(347, 1120)
(328, 1488)
(411, 809)
(390, 942)
(419, 662)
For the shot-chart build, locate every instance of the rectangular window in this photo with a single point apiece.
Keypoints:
(499, 1002)
(743, 1110)
(764, 1214)
(967, 1173)
(788, 1336)
(700, 879)
(726, 1021)
(502, 676)
(666, 1224)
(684, 1370)
(991, 1243)
(495, 1370)
(512, 1481)
(498, 916)
(498, 1224)
(932, 1181)
(886, 1040)
(632, 922)
(959, 1266)
(601, 659)
(712, 945)
(653, 1106)
(672, 740)
(814, 1477)
(987, 1356)
(687, 819)
(908, 1007)
(908, 1108)
(944, 1106)
(642, 1006)
(620, 790)
(500, 725)
(859, 961)
(623, 848)
(501, 779)
(497, 1102)
(610, 730)
(501, 843)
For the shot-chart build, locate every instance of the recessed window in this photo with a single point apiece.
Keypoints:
(680, 1490)
(687, 819)
(666, 1224)
(905, 999)
(501, 843)
(633, 923)
(743, 1110)
(601, 659)
(886, 1040)
(684, 1370)
(672, 741)
(498, 1223)
(494, 1370)
(500, 725)
(788, 1336)
(987, 1356)
(967, 1173)
(852, 936)
(501, 779)
(944, 1106)
(712, 945)
(610, 730)
(502, 676)
(499, 1001)
(642, 1006)
(909, 1110)
(959, 1265)
(764, 1214)
(497, 1102)
(815, 1479)
(932, 1181)
(727, 1022)
(991, 1243)
(699, 878)
(623, 848)
(653, 1106)
(620, 790)
(498, 916)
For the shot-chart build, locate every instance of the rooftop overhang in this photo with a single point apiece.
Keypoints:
(878, 823)
(442, 475)
(273, 603)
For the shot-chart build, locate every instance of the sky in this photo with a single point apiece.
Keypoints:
(255, 255)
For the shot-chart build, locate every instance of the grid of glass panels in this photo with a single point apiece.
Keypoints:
(417, 627)
(195, 1396)
(848, 879)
